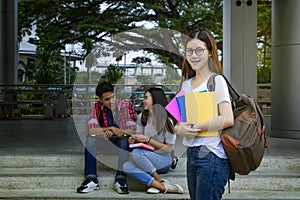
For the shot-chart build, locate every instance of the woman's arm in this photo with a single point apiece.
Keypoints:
(154, 143)
(161, 146)
(98, 130)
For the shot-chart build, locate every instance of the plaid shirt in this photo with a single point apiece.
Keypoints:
(126, 115)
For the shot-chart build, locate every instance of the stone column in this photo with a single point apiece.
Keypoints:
(285, 69)
(8, 56)
(8, 42)
(239, 44)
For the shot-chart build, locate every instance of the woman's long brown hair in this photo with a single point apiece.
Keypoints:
(214, 64)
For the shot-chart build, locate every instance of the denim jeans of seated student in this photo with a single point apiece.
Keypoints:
(144, 163)
(91, 152)
(207, 174)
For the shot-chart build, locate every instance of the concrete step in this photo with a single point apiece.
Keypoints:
(60, 175)
(68, 178)
(57, 172)
(54, 161)
(110, 194)
(107, 194)
(77, 161)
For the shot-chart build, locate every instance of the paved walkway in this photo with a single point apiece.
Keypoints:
(63, 136)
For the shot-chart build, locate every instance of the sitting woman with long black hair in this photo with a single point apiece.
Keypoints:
(156, 128)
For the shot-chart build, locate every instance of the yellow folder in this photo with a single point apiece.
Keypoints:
(200, 107)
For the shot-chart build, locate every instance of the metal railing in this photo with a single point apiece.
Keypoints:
(56, 100)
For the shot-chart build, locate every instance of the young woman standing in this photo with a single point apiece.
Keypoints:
(207, 164)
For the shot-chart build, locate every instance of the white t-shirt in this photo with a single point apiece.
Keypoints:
(149, 130)
(214, 144)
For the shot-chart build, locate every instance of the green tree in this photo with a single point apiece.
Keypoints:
(60, 22)
(141, 60)
(112, 74)
(264, 41)
(49, 67)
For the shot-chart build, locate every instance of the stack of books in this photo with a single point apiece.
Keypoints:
(142, 146)
(194, 107)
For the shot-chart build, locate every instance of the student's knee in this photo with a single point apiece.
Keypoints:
(136, 154)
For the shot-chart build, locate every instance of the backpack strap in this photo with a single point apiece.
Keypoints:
(211, 82)
(232, 92)
(211, 86)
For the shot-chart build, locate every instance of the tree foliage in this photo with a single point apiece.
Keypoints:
(264, 41)
(123, 24)
(141, 60)
(112, 74)
(61, 22)
(48, 67)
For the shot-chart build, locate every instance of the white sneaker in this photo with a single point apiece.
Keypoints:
(153, 190)
(172, 187)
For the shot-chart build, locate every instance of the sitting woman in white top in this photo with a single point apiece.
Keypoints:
(155, 128)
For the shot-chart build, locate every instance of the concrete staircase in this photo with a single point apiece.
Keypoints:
(58, 176)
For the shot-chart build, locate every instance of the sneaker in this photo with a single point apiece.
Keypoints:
(153, 190)
(88, 185)
(172, 187)
(121, 186)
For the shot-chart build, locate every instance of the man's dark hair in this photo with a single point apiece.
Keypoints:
(104, 87)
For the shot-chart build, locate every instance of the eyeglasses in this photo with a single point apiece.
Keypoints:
(198, 51)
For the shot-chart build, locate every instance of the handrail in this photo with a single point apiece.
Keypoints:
(79, 97)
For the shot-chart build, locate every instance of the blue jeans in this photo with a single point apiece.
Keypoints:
(91, 152)
(207, 174)
(144, 163)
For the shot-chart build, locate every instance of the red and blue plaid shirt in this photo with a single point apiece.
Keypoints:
(126, 115)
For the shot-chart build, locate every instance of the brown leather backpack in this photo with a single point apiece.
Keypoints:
(245, 141)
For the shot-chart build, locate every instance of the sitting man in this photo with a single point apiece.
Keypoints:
(113, 119)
